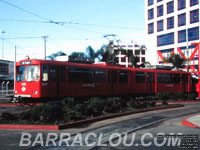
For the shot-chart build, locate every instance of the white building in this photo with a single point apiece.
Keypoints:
(167, 24)
(133, 49)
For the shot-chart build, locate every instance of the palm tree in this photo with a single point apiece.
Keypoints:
(134, 59)
(106, 54)
(91, 54)
(176, 60)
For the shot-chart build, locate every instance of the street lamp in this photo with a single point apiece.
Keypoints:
(3, 32)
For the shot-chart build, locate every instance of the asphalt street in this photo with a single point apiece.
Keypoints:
(145, 126)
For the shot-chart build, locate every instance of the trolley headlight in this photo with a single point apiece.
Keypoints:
(35, 92)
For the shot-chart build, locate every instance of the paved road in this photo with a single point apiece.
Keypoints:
(167, 121)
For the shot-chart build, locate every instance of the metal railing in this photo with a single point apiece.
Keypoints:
(5, 89)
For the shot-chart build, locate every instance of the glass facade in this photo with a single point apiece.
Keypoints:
(170, 7)
(181, 19)
(165, 39)
(160, 11)
(181, 36)
(150, 28)
(194, 2)
(170, 23)
(160, 25)
(150, 14)
(181, 4)
(194, 16)
(150, 2)
(193, 34)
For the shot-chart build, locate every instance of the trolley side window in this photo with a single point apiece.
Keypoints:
(53, 74)
(77, 74)
(62, 74)
(140, 77)
(176, 78)
(164, 78)
(112, 76)
(123, 76)
(100, 75)
(44, 73)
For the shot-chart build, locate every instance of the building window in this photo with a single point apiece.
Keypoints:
(181, 4)
(4, 69)
(170, 7)
(159, 0)
(170, 23)
(143, 52)
(181, 19)
(143, 59)
(123, 46)
(194, 2)
(193, 34)
(150, 14)
(137, 52)
(160, 11)
(165, 39)
(194, 16)
(150, 28)
(181, 36)
(130, 45)
(160, 25)
(150, 2)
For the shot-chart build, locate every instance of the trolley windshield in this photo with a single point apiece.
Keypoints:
(28, 73)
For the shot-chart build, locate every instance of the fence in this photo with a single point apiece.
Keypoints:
(7, 88)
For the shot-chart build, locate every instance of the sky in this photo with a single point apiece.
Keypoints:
(71, 25)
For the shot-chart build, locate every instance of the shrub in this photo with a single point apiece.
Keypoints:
(5, 116)
(191, 96)
(49, 112)
(163, 96)
(95, 106)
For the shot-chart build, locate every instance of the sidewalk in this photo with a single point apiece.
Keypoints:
(192, 121)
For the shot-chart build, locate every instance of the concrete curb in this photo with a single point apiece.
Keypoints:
(28, 127)
(87, 121)
(187, 101)
(81, 122)
(12, 104)
(187, 123)
(7, 104)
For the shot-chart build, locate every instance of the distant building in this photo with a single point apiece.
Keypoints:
(7, 73)
(133, 49)
(171, 26)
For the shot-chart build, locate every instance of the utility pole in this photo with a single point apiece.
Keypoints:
(3, 32)
(187, 49)
(15, 66)
(45, 41)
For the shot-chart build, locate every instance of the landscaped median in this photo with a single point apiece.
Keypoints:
(72, 113)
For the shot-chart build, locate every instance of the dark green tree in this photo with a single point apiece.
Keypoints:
(77, 55)
(91, 54)
(176, 60)
(134, 59)
(106, 54)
